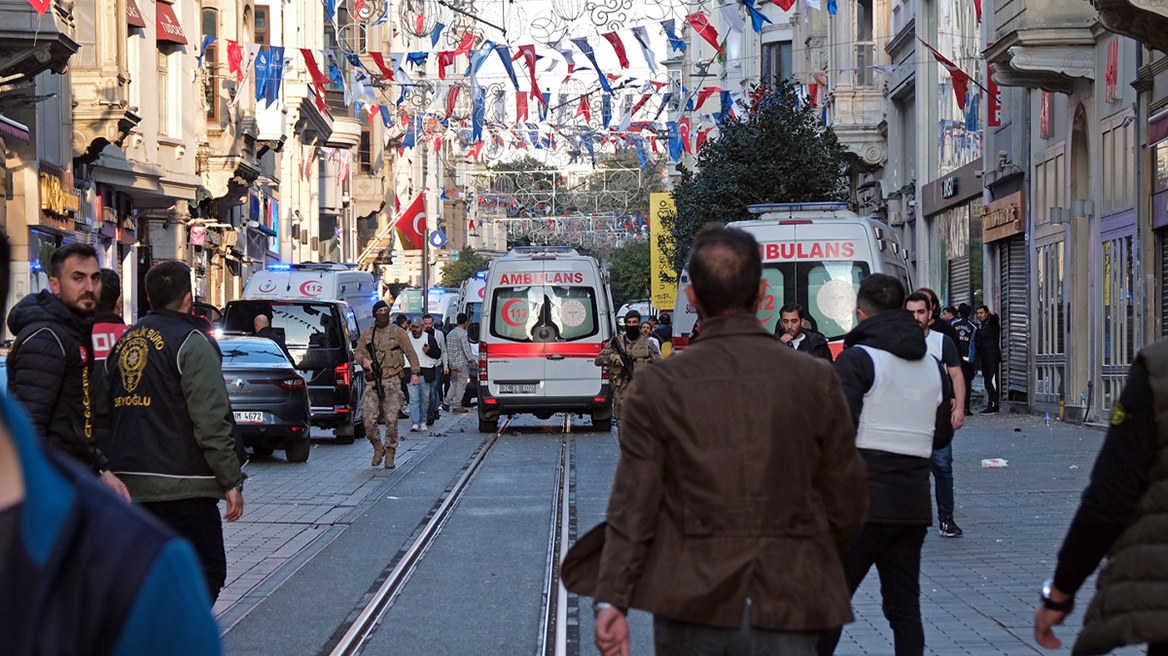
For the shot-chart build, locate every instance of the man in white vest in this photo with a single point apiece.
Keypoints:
(893, 390)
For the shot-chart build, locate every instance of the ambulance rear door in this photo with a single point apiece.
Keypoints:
(516, 361)
(578, 310)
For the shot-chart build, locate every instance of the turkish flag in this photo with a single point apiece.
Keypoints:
(235, 58)
(619, 47)
(583, 110)
(702, 26)
(960, 77)
(41, 6)
(411, 225)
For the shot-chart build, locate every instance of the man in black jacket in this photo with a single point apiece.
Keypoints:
(893, 390)
(108, 327)
(988, 347)
(793, 334)
(51, 362)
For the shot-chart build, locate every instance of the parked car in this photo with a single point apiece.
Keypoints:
(269, 398)
(321, 339)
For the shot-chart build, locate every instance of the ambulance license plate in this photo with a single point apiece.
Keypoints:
(517, 389)
(249, 417)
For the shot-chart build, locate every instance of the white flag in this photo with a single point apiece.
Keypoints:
(250, 52)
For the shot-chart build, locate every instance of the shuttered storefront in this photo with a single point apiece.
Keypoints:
(959, 282)
(1014, 316)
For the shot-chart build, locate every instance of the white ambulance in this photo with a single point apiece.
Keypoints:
(813, 254)
(317, 281)
(547, 314)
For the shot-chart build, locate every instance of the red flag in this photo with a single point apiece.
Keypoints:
(786, 5)
(683, 132)
(357, 5)
(451, 98)
(702, 136)
(411, 225)
(528, 54)
(619, 47)
(445, 58)
(371, 111)
(960, 78)
(41, 6)
(386, 72)
(641, 103)
(702, 26)
(520, 107)
(467, 43)
(813, 93)
(420, 23)
(313, 70)
(704, 94)
(583, 109)
(977, 8)
(659, 85)
(235, 58)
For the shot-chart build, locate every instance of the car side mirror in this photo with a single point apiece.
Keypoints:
(472, 332)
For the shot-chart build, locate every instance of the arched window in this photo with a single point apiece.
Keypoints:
(210, 22)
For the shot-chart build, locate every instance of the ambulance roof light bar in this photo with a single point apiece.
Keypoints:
(309, 266)
(830, 209)
(544, 250)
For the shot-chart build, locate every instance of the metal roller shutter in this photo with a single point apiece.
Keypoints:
(959, 287)
(1014, 314)
(1163, 235)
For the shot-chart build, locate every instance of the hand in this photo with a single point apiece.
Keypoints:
(956, 415)
(415, 380)
(1044, 621)
(426, 348)
(366, 363)
(612, 632)
(446, 370)
(234, 505)
(786, 338)
(614, 358)
(108, 479)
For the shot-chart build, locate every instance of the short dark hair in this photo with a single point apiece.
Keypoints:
(964, 310)
(632, 314)
(934, 303)
(951, 310)
(167, 284)
(982, 307)
(111, 291)
(878, 293)
(427, 316)
(725, 269)
(57, 260)
(460, 318)
(919, 297)
(793, 307)
(666, 319)
(400, 319)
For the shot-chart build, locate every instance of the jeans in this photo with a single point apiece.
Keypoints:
(895, 549)
(675, 638)
(435, 392)
(198, 521)
(942, 466)
(990, 366)
(420, 400)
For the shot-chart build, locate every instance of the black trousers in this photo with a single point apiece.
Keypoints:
(198, 521)
(1158, 650)
(991, 365)
(895, 550)
(969, 371)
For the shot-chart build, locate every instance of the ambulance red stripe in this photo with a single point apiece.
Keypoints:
(540, 350)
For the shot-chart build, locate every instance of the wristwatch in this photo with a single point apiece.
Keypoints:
(1061, 606)
(598, 606)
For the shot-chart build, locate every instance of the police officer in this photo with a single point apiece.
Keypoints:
(391, 346)
(637, 348)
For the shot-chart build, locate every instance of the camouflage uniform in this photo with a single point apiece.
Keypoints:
(392, 348)
(642, 351)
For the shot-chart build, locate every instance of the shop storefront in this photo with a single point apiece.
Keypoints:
(953, 212)
(1003, 227)
(1159, 150)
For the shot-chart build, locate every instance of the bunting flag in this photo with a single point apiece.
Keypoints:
(207, 41)
(785, 5)
(40, 6)
(529, 58)
(330, 12)
(411, 225)
(261, 75)
(445, 58)
(627, 112)
(583, 109)
(543, 106)
(372, 111)
(419, 23)
(505, 55)
(360, 86)
(276, 65)
(641, 34)
(703, 94)
(733, 17)
(757, 18)
(813, 4)
(436, 34)
(451, 99)
(464, 47)
(567, 54)
(235, 58)
(675, 42)
(640, 103)
(960, 77)
(832, 8)
(619, 47)
(334, 69)
(520, 107)
(417, 58)
(701, 141)
(357, 6)
(683, 134)
(702, 26)
(582, 45)
(887, 69)
(386, 72)
(478, 115)
(476, 62)
(664, 103)
(977, 8)
(250, 52)
(606, 109)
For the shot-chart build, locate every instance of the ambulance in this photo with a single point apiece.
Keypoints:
(813, 254)
(470, 298)
(317, 281)
(547, 313)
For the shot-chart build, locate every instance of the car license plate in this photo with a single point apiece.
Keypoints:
(517, 389)
(249, 417)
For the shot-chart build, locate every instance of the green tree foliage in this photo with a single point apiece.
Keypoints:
(779, 152)
(468, 264)
(629, 273)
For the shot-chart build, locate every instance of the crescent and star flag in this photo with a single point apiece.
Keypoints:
(619, 47)
(41, 6)
(235, 58)
(529, 58)
(411, 225)
(960, 77)
(702, 26)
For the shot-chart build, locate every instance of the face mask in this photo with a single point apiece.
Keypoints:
(382, 321)
(633, 332)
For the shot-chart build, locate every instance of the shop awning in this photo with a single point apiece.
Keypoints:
(263, 228)
(1158, 127)
(11, 128)
(168, 26)
(133, 16)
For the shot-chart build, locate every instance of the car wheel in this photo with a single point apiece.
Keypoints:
(345, 434)
(602, 425)
(262, 451)
(359, 429)
(297, 452)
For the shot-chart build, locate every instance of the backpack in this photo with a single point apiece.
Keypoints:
(943, 428)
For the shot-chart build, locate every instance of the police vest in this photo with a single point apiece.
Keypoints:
(900, 411)
(640, 351)
(150, 427)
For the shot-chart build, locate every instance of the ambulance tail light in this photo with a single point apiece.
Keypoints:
(344, 374)
(482, 362)
(796, 222)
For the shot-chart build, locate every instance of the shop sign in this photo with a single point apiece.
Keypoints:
(949, 187)
(1003, 218)
(59, 202)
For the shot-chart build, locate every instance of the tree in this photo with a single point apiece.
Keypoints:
(779, 152)
(629, 273)
(468, 264)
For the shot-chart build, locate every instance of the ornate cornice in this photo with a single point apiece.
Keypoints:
(1145, 21)
(1049, 58)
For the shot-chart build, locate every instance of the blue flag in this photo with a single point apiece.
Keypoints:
(606, 109)
(582, 45)
(831, 6)
(757, 18)
(261, 74)
(505, 54)
(385, 117)
(478, 116)
(543, 106)
(330, 12)
(664, 103)
(355, 61)
(275, 74)
(675, 42)
(436, 34)
(207, 41)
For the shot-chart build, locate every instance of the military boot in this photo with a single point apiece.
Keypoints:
(378, 451)
(390, 452)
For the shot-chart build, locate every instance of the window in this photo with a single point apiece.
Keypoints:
(826, 289)
(1049, 356)
(252, 352)
(303, 324)
(211, 61)
(1118, 165)
(519, 312)
(365, 151)
(865, 46)
(776, 62)
(165, 100)
(261, 26)
(1049, 179)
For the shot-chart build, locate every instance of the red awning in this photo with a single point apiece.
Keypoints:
(168, 27)
(133, 16)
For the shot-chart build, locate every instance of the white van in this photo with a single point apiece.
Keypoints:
(323, 281)
(471, 296)
(813, 254)
(548, 312)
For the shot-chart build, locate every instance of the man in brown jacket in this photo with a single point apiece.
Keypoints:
(738, 482)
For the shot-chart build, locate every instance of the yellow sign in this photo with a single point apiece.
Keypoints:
(660, 205)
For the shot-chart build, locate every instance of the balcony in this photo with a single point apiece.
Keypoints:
(31, 44)
(1048, 45)
(1145, 21)
(102, 114)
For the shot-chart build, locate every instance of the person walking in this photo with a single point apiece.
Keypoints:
(647, 333)
(793, 334)
(966, 329)
(893, 390)
(459, 356)
(403, 322)
(170, 436)
(944, 351)
(423, 375)
(437, 351)
(637, 349)
(725, 566)
(1120, 517)
(988, 344)
(391, 348)
(107, 328)
(50, 365)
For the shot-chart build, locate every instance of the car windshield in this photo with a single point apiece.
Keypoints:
(252, 351)
(518, 311)
(474, 312)
(302, 324)
(826, 290)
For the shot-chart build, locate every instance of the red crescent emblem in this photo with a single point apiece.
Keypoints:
(520, 313)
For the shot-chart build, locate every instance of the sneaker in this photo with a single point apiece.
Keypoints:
(446, 407)
(990, 410)
(414, 428)
(950, 529)
(424, 428)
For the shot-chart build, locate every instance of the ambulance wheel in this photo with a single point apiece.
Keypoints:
(297, 452)
(346, 434)
(602, 425)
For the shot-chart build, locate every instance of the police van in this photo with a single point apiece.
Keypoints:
(317, 281)
(546, 315)
(813, 254)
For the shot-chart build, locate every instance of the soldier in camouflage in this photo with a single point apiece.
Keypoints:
(637, 348)
(391, 346)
